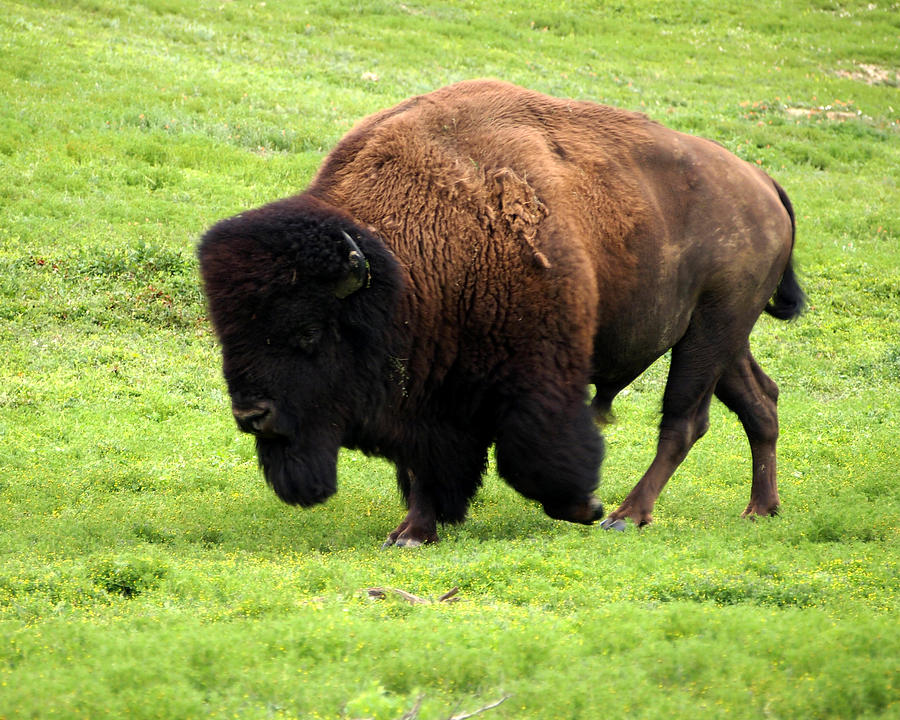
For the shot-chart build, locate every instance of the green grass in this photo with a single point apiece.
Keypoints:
(145, 568)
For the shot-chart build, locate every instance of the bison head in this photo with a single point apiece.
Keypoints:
(301, 299)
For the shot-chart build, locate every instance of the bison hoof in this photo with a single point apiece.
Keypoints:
(585, 513)
(400, 542)
(754, 511)
(610, 524)
(406, 541)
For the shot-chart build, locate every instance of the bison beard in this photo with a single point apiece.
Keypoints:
(464, 265)
(298, 476)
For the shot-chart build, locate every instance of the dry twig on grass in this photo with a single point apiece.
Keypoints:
(489, 706)
(414, 711)
(381, 593)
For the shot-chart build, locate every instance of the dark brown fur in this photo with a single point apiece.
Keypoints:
(520, 247)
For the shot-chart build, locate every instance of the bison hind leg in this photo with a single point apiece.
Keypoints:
(553, 457)
(698, 361)
(753, 397)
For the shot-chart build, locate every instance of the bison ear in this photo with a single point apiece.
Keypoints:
(358, 270)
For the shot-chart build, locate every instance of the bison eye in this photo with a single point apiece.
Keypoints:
(308, 338)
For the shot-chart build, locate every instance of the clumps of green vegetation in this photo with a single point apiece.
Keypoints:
(127, 574)
(143, 260)
(29, 589)
(723, 588)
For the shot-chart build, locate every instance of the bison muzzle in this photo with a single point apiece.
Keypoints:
(464, 266)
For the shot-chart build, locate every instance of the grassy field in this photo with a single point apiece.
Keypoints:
(146, 571)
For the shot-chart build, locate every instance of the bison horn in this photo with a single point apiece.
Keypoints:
(358, 273)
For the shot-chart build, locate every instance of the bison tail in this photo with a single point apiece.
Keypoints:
(789, 299)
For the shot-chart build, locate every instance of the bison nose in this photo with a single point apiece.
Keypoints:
(257, 419)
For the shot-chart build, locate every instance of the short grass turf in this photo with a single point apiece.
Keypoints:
(145, 569)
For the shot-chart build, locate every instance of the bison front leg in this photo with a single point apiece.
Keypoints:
(419, 527)
(553, 456)
(439, 483)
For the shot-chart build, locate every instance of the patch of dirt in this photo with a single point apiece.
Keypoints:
(817, 112)
(871, 75)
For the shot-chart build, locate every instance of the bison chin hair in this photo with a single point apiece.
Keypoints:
(298, 476)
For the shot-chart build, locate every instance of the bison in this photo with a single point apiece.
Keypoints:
(464, 266)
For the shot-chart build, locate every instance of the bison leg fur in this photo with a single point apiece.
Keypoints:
(753, 397)
(692, 379)
(419, 527)
(676, 437)
(553, 458)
